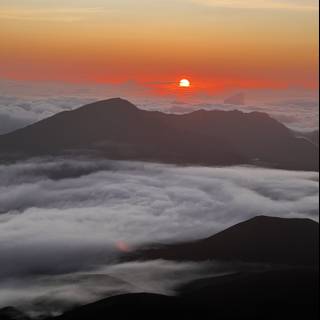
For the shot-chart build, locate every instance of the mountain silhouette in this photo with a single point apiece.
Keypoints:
(312, 136)
(237, 99)
(117, 129)
(139, 304)
(261, 239)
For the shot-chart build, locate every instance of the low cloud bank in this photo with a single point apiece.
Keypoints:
(51, 295)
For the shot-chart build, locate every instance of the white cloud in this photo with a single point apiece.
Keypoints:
(135, 202)
(261, 4)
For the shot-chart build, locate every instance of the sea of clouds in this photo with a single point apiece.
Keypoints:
(64, 222)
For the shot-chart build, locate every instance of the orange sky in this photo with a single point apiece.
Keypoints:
(235, 44)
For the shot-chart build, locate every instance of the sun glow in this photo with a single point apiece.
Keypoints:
(184, 83)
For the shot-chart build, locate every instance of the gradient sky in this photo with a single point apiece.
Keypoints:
(218, 44)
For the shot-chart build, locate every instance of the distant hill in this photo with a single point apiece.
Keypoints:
(237, 99)
(261, 239)
(117, 129)
(312, 136)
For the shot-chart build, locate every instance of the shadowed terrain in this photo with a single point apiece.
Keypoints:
(312, 136)
(286, 294)
(11, 313)
(261, 239)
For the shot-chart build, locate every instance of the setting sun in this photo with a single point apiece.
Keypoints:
(184, 83)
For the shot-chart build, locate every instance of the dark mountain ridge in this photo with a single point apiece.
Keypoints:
(117, 129)
(312, 136)
(259, 240)
(277, 294)
(10, 313)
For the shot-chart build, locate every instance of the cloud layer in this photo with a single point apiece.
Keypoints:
(97, 190)
(63, 222)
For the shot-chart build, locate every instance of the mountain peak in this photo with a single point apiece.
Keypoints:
(267, 219)
(113, 103)
(236, 99)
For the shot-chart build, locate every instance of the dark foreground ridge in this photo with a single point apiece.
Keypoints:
(11, 313)
(282, 294)
(286, 291)
(261, 239)
(276, 294)
(116, 129)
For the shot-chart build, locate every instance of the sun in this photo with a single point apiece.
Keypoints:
(184, 83)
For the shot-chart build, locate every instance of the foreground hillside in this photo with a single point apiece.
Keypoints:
(281, 294)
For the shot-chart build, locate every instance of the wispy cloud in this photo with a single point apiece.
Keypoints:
(261, 4)
(50, 15)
